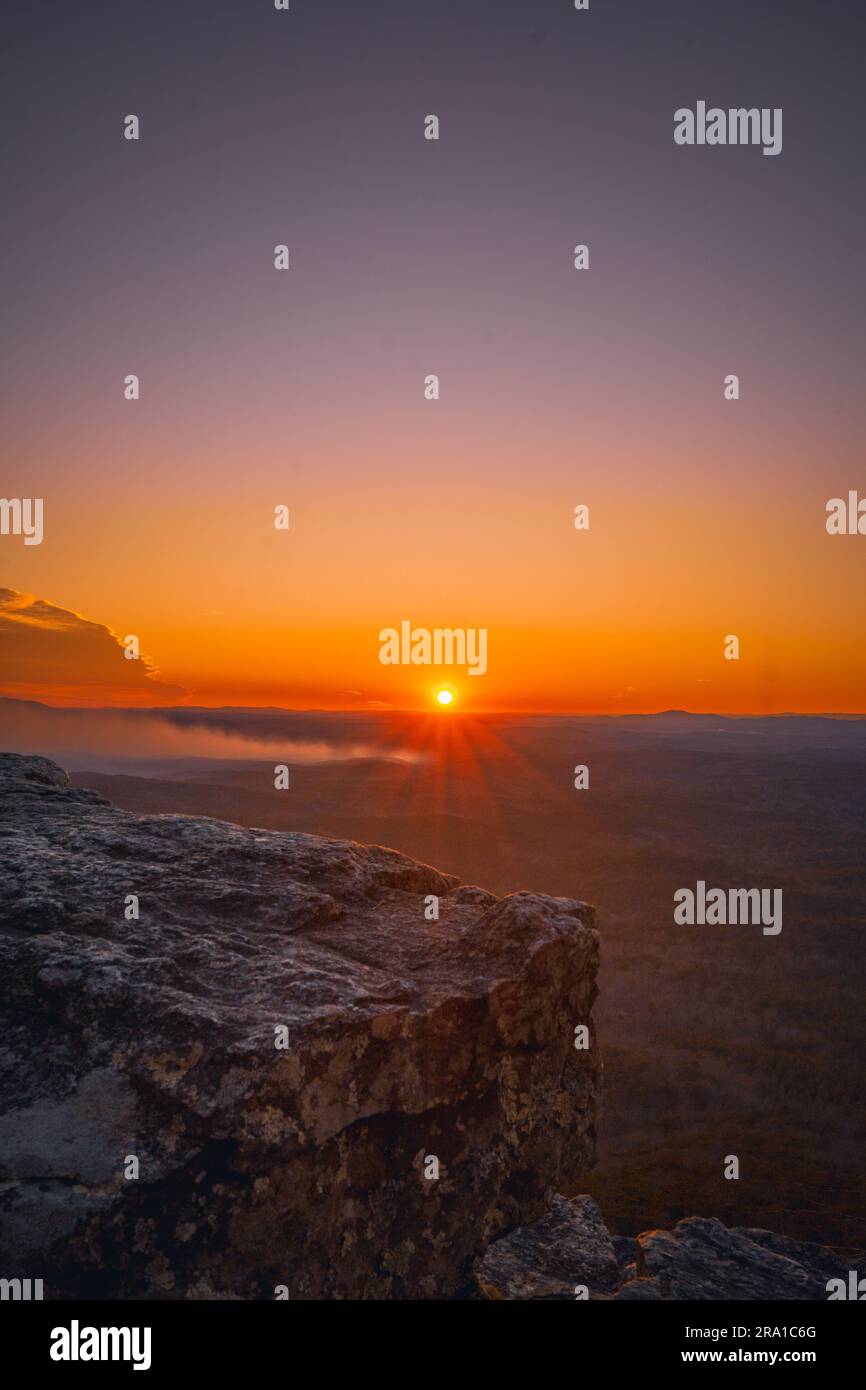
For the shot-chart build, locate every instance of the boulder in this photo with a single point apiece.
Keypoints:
(700, 1259)
(158, 1138)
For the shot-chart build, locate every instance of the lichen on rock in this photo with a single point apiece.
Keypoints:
(154, 1038)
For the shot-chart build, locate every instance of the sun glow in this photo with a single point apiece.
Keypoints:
(445, 697)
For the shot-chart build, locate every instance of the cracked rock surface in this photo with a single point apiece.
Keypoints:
(153, 1039)
(700, 1259)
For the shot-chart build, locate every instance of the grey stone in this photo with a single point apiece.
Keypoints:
(569, 1247)
(259, 1167)
(700, 1259)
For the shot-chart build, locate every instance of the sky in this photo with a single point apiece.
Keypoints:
(305, 388)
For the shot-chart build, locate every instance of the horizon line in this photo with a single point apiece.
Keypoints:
(450, 714)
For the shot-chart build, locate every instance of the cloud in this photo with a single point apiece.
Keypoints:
(51, 654)
(142, 741)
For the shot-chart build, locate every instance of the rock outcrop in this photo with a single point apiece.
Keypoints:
(154, 1139)
(570, 1249)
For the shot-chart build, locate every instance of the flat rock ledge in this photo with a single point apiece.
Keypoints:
(570, 1250)
(154, 1140)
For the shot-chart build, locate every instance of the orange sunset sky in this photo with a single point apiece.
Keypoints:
(629, 616)
(558, 387)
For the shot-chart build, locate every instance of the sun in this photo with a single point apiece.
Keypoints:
(445, 696)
